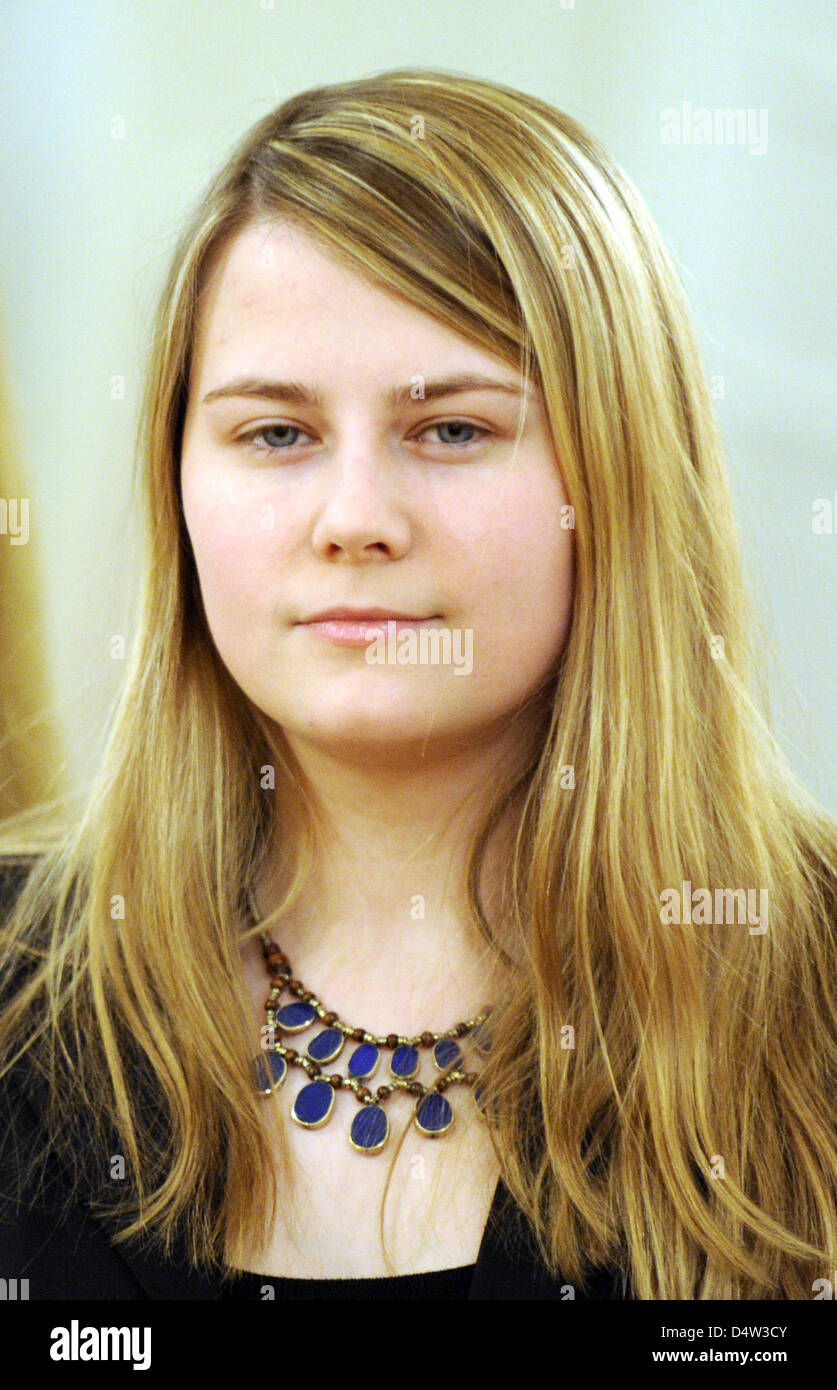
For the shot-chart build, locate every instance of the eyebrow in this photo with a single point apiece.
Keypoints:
(295, 393)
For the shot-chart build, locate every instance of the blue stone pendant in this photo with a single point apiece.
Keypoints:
(446, 1051)
(269, 1070)
(363, 1062)
(405, 1061)
(314, 1104)
(370, 1129)
(326, 1046)
(434, 1115)
(292, 1018)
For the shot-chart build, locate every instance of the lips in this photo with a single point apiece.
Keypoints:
(362, 615)
(358, 627)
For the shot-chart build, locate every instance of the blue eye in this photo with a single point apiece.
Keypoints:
(254, 436)
(458, 425)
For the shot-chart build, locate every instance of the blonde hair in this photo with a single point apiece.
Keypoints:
(506, 221)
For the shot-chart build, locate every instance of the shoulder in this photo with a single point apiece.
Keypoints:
(21, 1098)
(51, 1246)
(49, 1243)
(15, 1088)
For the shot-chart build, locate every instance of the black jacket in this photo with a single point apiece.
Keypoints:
(66, 1253)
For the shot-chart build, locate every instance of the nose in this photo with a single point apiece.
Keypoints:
(360, 515)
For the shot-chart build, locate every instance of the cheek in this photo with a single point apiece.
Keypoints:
(522, 575)
(234, 543)
(520, 544)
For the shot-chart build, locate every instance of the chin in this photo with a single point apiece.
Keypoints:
(378, 729)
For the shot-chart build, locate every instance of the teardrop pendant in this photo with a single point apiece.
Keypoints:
(447, 1050)
(313, 1105)
(292, 1018)
(370, 1129)
(269, 1070)
(326, 1046)
(434, 1115)
(363, 1062)
(405, 1062)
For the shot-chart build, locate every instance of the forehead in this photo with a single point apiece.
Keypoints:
(276, 298)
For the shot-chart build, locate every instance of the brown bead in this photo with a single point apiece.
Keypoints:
(415, 1088)
(330, 1017)
(392, 1040)
(357, 1035)
(335, 1080)
(427, 1039)
(363, 1093)
(460, 1030)
(291, 1054)
(383, 1091)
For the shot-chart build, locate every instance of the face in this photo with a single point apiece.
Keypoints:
(311, 480)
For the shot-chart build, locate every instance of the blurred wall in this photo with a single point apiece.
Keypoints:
(115, 113)
(32, 762)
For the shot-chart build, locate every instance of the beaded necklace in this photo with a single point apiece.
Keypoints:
(314, 1103)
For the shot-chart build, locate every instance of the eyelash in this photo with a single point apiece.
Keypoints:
(252, 435)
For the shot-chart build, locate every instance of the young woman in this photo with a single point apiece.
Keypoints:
(442, 739)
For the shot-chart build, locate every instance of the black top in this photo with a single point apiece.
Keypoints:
(66, 1253)
(437, 1283)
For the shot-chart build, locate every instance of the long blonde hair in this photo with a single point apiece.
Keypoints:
(663, 1096)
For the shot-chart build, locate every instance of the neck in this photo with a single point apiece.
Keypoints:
(384, 930)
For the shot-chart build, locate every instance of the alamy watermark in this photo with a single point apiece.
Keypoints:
(14, 519)
(688, 125)
(80, 1342)
(424, 646)
(728, 906)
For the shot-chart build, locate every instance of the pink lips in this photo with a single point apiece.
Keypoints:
(349, 627)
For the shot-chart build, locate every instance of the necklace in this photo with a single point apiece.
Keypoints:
(314, 1103)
